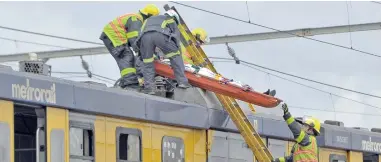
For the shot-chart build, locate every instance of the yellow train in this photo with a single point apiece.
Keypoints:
(45, 119)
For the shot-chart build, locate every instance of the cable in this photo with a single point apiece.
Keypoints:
(310, 80)
(263, 26)
(311, 87)
(376, 2)
(35, 43)
(47, 35)
(345, 112)
(349, 25)
(332, 94)
(97, 75)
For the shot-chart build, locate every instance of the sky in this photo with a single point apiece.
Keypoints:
(302, 57)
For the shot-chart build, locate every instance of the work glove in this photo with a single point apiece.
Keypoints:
(118, 51)
(285, 108)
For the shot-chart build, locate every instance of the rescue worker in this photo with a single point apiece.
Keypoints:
(119, 35)
(201, 38)
(161, 31)
(305, 131)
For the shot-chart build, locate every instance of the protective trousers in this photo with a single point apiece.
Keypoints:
(125, 59)
(151, 40)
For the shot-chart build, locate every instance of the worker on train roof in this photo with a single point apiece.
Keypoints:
(305, 131)
(119, 35)
(161, 31)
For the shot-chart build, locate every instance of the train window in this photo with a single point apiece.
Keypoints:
(129, 144)
(337, 158)
(172, 149)
(81, 141)
(370, 157)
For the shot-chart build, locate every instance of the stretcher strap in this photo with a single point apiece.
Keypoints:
(246, 87)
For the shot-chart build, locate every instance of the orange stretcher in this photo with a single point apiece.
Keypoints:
(213, 85)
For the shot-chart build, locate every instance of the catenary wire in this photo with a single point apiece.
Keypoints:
(310, 80)
(309, 86)
(35, 43)
(376, 2)
(97, 75)
(344, 112)
(263, 26)
(313, 87)
(48, 35)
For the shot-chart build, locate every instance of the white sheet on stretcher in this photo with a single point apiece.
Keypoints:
(208, 73)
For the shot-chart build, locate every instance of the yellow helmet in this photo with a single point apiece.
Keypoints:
(150, 10)
(312, 122)
(201, 35)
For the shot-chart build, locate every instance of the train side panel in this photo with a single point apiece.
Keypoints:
(7, 131)
(354, 156)
(330, 155)
(173, 144)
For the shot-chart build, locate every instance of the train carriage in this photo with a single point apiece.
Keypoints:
(46, 119)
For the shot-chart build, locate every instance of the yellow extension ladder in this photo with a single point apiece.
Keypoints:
(252, 138)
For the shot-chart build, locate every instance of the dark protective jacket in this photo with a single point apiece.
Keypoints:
(161, 23)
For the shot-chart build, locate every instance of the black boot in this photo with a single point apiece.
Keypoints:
(132, 87)
(184, 85)
(270, 93)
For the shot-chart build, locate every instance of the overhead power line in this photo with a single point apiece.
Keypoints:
(48, 35)
(310, 80)
(301, 84)
(100, 76)
(35, 43)
(263, 26)
(244, 64)
(344, 112)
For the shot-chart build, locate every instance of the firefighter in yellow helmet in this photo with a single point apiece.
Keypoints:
(119, 35)
(201, 38)
(305, 131)
(201, 35)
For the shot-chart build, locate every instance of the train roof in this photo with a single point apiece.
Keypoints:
(93, 98)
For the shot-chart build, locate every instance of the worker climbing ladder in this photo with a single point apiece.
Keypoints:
(250, 135)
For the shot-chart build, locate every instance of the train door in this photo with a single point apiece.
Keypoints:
(57, 135)
(28, 132)
(6, 131)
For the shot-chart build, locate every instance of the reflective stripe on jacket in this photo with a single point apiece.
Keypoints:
(305, 149)
(124, 29)
(307, 153)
